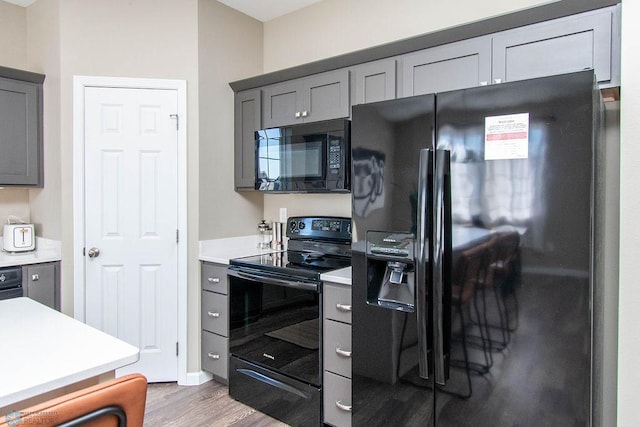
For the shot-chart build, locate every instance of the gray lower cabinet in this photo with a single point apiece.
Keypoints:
(373, 81)
(452, 66)
(337, 354)
(247, 120)
(322, 96)
(215, 320)
(574, 43)
(41, 282)
(21, 162)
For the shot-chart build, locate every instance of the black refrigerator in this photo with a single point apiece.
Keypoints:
(474, 223)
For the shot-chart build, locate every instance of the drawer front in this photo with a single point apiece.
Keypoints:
(215, 354)
(214, 313)
(337, 348)
(39, 281)
(214, 278)
(337, 400)
(337, 302)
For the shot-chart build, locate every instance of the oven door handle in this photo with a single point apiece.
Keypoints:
(309, 286)
(273, 382)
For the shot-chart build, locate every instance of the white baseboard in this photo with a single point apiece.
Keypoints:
(196, 378)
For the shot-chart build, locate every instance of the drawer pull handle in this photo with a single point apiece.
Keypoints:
(35, 277)
(343, 307)
(343, 407)
(214, 280)
(213, 356)
(212, 314)
(343, 353)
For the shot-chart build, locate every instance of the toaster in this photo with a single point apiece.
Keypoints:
(18, 238)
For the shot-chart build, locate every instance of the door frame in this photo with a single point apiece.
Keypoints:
(79, 85)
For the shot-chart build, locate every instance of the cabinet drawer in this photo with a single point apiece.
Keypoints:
(337, 348)
(337, 302)
(337, 400)
(214, 278)
(215, 354)
(214, 313)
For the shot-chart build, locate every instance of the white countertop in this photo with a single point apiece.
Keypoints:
(43, 350)
(342, 276)
(222, 250)
(46, 251)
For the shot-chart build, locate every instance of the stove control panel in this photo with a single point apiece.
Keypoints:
(306, 227)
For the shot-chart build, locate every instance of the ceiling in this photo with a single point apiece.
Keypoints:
(265, 10)
(262, 10)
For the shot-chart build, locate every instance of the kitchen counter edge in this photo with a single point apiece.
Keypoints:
(342, 276)
(220, 251)
(47, 250)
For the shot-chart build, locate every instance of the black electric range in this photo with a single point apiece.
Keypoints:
(275, 325)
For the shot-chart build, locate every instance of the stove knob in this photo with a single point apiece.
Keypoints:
(293, 226)
(301, 225)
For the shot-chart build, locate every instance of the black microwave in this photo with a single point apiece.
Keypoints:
(304, 158)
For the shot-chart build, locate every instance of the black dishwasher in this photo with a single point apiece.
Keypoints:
(10, 282)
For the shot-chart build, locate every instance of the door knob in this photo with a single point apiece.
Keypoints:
(94, 252)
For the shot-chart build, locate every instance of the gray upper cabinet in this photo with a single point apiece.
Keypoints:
(319, 97)
(20, 133)
(448, 67)
(247, 121)
(373, 81)
(562, 45)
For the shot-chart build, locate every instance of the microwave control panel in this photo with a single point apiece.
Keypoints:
(335, 155)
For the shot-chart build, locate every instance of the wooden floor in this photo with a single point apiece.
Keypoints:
(208, 404)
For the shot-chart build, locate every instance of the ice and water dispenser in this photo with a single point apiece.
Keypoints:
(391, 270)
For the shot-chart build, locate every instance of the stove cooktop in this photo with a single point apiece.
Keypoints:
(294, 263)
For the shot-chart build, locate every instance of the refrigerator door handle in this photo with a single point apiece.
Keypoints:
(422, 254)
(441, 243)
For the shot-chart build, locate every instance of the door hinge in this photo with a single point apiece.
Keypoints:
(177, 236)
(177, 352)
(175, 116)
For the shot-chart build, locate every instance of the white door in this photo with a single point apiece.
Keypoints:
(131, 222)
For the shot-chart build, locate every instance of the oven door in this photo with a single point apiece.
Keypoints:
(275, 323)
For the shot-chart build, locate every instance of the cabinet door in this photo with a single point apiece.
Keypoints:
(322, 96)
(326, 96)
(282, 104)
(20, 136)
(40, 283)
(559, 46)
(453, 66)
(374, 81)
(247, 121)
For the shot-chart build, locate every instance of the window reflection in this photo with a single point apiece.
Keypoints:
(495, 193)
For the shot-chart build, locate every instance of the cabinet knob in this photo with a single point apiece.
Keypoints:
(212, 314)
(214, 280)
(496, 81)
(297, 114)
(484, 83)
(343, 307)
(343, 353)
(213, 356)
(35, 277)
(305, 114)
(343, 407)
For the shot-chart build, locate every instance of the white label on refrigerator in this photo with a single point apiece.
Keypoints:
(506, 137)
